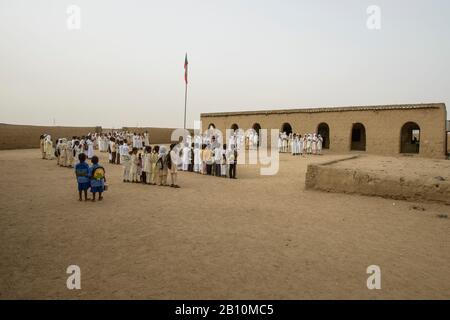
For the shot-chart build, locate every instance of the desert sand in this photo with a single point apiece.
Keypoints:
(257, 237)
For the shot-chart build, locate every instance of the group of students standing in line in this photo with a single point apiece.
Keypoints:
(67, 150)
(152, 165)
(296, 144)
(141, 162)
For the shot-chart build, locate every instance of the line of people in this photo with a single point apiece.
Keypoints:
(152, 165)
(141, 162)
(66, 151)
(296, 144)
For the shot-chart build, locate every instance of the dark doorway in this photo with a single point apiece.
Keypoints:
(211, 126)
(286, 127)
(324, 130)
(358, 137)
(410, 138)
(234, 127)
(257, 128)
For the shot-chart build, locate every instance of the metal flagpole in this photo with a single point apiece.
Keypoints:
(185, 104)
(186, 87)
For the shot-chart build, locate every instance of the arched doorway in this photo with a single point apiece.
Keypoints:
(257, 128)
(286, 127)
(324, 130)
(358, 137)
(234, 127)
(211, 126)
(410, 138)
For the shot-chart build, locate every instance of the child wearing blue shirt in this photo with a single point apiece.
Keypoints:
(82, 174)
(97, 178)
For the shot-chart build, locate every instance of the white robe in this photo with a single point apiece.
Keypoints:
(90, 150)
(319, 145)
(185, 156)
(147, 166)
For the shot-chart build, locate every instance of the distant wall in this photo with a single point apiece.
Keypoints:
(26, 137)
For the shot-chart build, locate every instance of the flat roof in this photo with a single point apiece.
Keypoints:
(328, 109)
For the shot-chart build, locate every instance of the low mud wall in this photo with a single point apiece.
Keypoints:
(325, 177)
(27, 137)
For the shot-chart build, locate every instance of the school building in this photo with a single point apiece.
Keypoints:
(412, 129)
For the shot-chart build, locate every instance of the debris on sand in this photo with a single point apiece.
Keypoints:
(443, 216)
(418, 208)
(440, 178)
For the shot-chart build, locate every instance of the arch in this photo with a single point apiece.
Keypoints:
(234, 127)
(324, 130)
(358, 137)
(410, 138)
(211, 126)
(257, 127)
(286, 127)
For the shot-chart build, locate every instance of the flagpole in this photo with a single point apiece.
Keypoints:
(185, 104)
(186, 87)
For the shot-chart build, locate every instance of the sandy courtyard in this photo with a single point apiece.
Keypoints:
(258, 237)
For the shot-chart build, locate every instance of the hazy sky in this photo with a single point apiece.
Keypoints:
(124, 67)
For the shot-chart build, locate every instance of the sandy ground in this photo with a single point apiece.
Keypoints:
(257, 237)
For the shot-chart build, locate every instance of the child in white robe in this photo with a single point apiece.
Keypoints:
(319, 144)
(218, 155)
(197, 158)
(69, 154)
(126, 163)
(90, 148)
(314, 144)
(300, 145)
(146, 139)
(65, 150)
(186, 157)
(153, 160)
(134, 165)
(224, 166)
(147, 165)
(308, 144)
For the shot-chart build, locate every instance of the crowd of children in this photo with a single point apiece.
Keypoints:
(296, 144)
(141, 162)
(151, 165)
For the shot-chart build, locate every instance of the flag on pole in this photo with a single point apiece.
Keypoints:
(186, 69)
